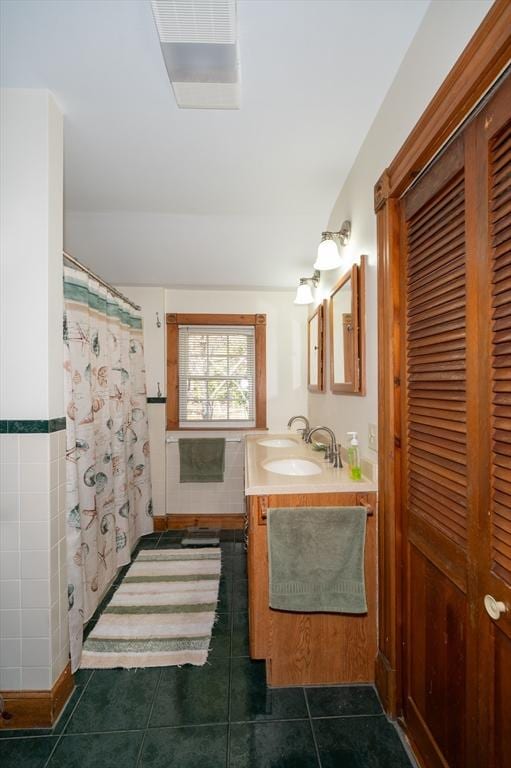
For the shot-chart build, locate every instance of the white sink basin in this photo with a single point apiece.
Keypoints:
(293, 467)
(277, 442)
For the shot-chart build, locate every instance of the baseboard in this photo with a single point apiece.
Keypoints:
(386, 684)
(37, 709)
(160, 523)
(231, 522)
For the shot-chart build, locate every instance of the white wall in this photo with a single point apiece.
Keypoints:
(34, 644)
(31, 159)
(286, 349)
(443, 34)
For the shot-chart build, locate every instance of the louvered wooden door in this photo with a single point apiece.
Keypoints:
(493, 146)
(436, 447)
(456, 446)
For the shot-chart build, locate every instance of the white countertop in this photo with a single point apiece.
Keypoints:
(261, 482)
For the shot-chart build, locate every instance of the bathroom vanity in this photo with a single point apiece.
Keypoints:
(305, 648)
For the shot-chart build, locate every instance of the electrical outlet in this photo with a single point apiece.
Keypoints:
(372, 437)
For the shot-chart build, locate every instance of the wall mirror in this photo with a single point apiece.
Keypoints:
(316, 351)
(347, 332)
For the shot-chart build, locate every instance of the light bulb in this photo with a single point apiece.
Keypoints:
(328, 256)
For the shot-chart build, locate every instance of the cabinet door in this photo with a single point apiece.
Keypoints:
(437, 437)
(493, 147)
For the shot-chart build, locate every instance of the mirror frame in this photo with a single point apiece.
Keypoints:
(358, 386)
(320, 313)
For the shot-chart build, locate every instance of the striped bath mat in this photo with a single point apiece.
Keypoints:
(161, 615)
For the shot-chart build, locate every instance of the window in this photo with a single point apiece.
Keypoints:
(216, 371)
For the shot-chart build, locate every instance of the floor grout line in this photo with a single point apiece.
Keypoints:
(229, 683)
(61, 735)
(151, 708)
(311, 724)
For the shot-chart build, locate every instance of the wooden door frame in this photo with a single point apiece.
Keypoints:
(485, 58)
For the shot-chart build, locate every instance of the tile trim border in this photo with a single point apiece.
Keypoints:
(32, 426)
(37, 709)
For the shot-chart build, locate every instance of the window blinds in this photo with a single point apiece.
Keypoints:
(216, 376)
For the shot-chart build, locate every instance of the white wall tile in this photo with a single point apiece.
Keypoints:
(54, 474)
(35, 594)
(10, 652)
(54, 560)
(9, 449)
(54, 446)
(36, 678)
(35, 652)
(10, 565)
(10, 478)
(9, 507)
(35, 478)
(54, 502)
(34, 507)
(34, 535)
(10, 679)
(35, 564)
(59, 666)
(34, 449)
(54, 588)
(62, 442)
(35, 622)
(61, 497)
(9, 536)
(54, 530)
(10, 594)
(10, 623)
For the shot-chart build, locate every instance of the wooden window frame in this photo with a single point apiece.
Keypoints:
(485, 57)
(173, 321)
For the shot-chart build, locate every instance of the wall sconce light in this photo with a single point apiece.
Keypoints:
(304, 291)
(328, 251)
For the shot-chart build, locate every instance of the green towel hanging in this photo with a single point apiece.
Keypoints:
(202, 459)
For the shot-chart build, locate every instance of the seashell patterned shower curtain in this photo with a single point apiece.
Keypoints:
(108, 498)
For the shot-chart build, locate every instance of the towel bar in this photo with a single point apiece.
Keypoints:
(227, 439)
(368, 508)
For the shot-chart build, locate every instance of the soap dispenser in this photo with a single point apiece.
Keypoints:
(354, 458)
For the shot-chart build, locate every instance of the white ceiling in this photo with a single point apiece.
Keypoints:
(156, 195)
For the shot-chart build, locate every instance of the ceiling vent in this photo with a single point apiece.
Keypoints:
(198, 39)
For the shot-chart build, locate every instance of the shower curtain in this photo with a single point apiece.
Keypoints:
(108, 498)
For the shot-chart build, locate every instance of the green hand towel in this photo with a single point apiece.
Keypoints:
(316, 559)
(202, 460)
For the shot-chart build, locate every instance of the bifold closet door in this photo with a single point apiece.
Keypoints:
(456, 446)
(493, 556)
(438, 446)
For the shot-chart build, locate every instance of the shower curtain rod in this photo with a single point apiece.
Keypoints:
(100, 280)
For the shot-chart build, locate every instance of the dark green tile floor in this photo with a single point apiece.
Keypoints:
(221, 715)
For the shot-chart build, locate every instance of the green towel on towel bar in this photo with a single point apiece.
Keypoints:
(202, 459)
(316, 559)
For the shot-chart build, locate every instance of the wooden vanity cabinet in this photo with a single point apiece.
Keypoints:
(309, 648)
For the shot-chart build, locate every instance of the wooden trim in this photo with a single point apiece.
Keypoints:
(160, 523)
(358, 386)
(483, 60)
(185, 318)
(37, 709)
(260, 372)
(320, 312)
(228, 522)
(173, 321)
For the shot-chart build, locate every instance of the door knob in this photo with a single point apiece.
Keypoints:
(494, 607)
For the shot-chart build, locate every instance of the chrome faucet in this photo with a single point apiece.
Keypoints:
(333, 454)
(305, 420)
